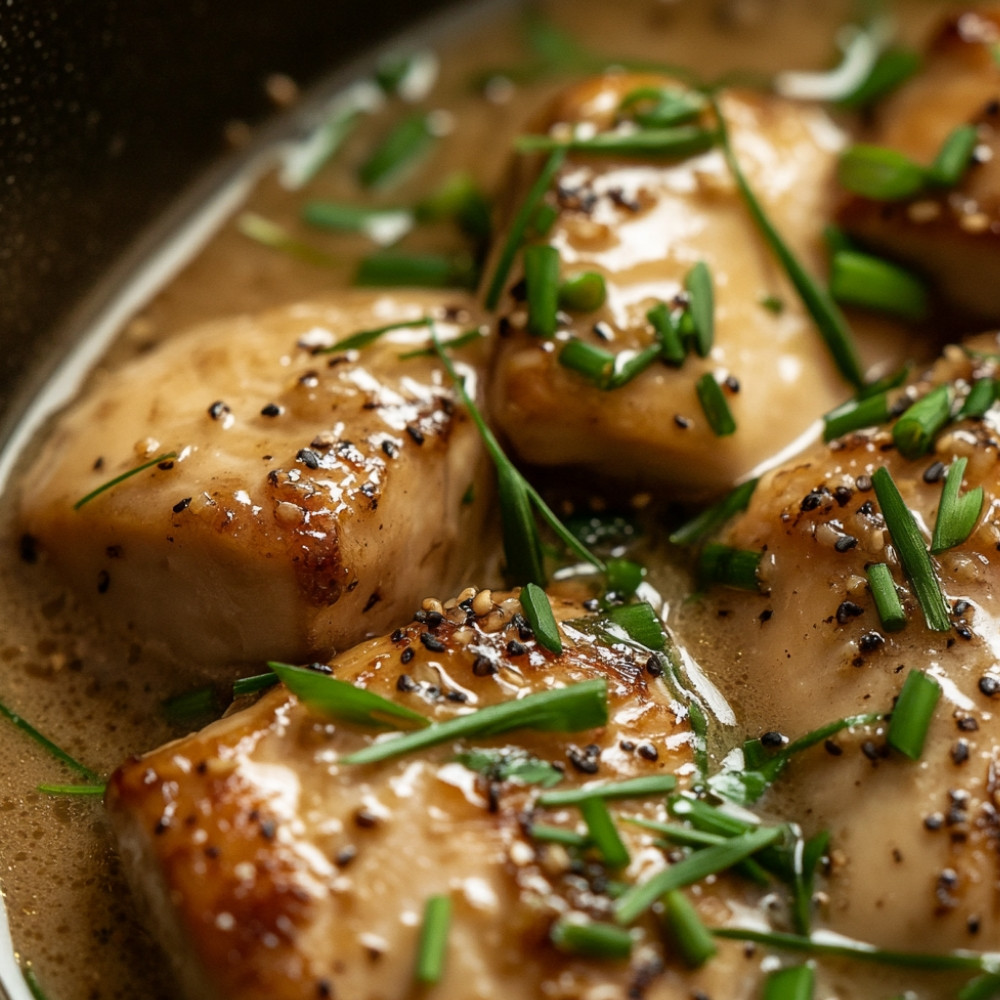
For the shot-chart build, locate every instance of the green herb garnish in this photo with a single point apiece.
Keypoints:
(855, 415)
(557, 835)
(602, 832)
(276, 237)
(912, 551)
(630, 788)
(510, 765)
(912, 715)
(795, 982)
(958, 512)
(981, 396)
(887, 602)
(879, 173)
(915, 430)
(399, 150)
(701, 307)
(328, 695)
(954, 156)
(827, 317)
(584, 292)
(251, 685)
(433, 944)
(83, 790)
(893, 67)
(691, 938)
(667, 329)
(662, 107)
(715, 406)
(591, 939)
(728, 566)
(46, 744)
(861, 279)
(541, 279)
(538, 610)
(111, 483)
(569, 709)
(679, 142)
(396, 268)
(710, 520)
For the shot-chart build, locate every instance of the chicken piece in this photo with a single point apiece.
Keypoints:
(313, 499)
(952, 234)
(642, 224)
(274, 870)
(915, 844)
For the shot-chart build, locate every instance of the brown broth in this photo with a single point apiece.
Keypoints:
(99, 693)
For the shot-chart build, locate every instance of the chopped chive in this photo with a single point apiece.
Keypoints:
(624, 576)
(861, 279)
(190, 705)
(709, 521)
(795, 982)
(515, 235)
(544, 219)
(827, 317)
(892, 380)
(328, 695)
(640, 623)
(538, 610)
(915, 430)
(416, 270)
(913, 553)
(981, 396)
(954, 156)
(31, 980)
(557, 835)
(455, 344)
(594, 940)
(522, 545)
(276, 237)
(602, 832)
(381, 225)
(981, 988)
(708, 818)
(407, 75)
(714, 404)
(433, 945)
(593, 363)
(630, 788)
(111, 483)
(46, 744)
(675, 833)
(861, 951)
(460, 198)
(892, 67)
(710, 861)
(701, 307)
(699, 738)
(911, 718)
(879, 173)
(365, 337)
(957, 513)
(807, 857)
(679, 142)
(304, 160)
(584, 292)
(662, 107)
(580, 706)
(510, 764)
(856, 414)
(667, 329)
(251, 685)
(633, 365)
(772, 303)
(728, 566)
(85, 790)
(405, 143)
(541, 279)
(887, 602)
(689, 935)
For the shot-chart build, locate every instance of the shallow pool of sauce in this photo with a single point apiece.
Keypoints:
(98, 694)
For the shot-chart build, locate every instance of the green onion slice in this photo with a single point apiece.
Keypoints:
(915, 430)
(701, 307)
(363, 338)
(887, 602)
(541, 278)
(46, 744)
(710, 861)
(630, 788)
(603, 833)
(954, 156)
(584, 292)
(433, 945)
(981, 396)
(893, 67)
(728, 566)
(339, 699)
(111, 483)
(709, 521)
(538, 611)
(276, 237)
(856, 414)
(82, 790)
(795, 982)
(399, 150)
(879, 173)
(957, 513)
(662, 107)
(667, 330)
(591, 939)
(515, 235)
(715, 406)
(911, 718)
(913, 553)
(557, 835)
(397, 268)
(624, 576)
(510, 764)
(569, 709)
(827, 317)
(861, 279)
(640, 623)
(251, 685)
(679, 142)
(690, 936)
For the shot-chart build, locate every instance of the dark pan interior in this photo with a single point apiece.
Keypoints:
(108, 108)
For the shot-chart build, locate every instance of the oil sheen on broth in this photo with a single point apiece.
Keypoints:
(97, 691)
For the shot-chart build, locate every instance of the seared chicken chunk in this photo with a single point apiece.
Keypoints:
(951, 234)
(643, 223)
(916, 861)
(275, 869)
(311, 495)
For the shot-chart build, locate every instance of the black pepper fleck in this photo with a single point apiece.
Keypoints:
(934, 472)
(483, 666)
(848, 610)
(181, 505)
(845, 543)
(407, 654)
(647, 751)
(432, 643)
(989, 685)
(271, 410)
(218, 410)
(308, 458)
(515, 648)
(416, 435)
(960, 752)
